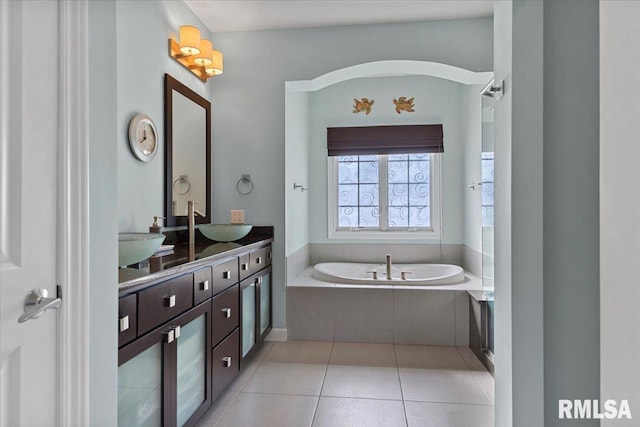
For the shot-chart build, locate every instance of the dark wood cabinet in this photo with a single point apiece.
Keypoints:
(226, 313)
(164, 377)
(127, 319)
(182, 341)
(165, 301)
(226, 362)
(255, 311)
(202, 285)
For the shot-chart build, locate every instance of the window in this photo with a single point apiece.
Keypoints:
(384, 196)
(487, 189)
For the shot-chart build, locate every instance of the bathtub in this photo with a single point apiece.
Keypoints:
(357, 273)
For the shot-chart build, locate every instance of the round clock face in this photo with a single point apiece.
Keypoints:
(143, 137)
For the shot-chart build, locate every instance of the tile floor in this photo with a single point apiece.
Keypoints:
(326, 384)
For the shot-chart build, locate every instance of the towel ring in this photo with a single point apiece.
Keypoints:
(246, 179)
(183, 179)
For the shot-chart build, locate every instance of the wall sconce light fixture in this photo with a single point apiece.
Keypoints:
(196, 54)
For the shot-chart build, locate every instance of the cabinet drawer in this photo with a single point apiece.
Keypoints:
(245, 266)
(127, 319)
(202, 285)
(225, 363)
(162, 302)
(225, 275)
(225, 313)
(258, 260)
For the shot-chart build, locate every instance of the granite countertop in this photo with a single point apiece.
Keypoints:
(159, 267)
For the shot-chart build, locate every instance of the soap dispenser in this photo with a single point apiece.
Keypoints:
(156, 227)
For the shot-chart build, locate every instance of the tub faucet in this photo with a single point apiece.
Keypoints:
(388, 266)
(192, 212)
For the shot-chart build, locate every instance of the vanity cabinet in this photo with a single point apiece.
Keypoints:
(182, 341)
(164, 377)
(255, 306)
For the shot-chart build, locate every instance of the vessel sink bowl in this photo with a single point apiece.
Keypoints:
(136, 247)
(224, 232)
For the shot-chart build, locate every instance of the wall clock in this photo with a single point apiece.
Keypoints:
(143, 137)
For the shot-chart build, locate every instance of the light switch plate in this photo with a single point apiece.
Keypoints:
(237, 216)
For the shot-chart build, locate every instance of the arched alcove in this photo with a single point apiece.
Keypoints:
(297, 121)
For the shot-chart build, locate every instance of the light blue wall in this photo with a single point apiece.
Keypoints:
(248, 101)
(103, 214)
(143, 30)
(471, 167)
(547, 259)
(297, 171)
(436, 101)
(503, 35)
(619, 207)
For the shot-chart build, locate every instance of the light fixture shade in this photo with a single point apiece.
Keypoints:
(204, 57)
(217, 66)
(189, 40)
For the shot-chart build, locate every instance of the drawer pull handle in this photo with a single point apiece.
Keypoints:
(226, 274)
(170, 301)
(226, 361)
(176, 332)
(170, 335)
(259, 260)
(204, 286)
(269, 255)
(227, 313)
(124, 323)
(245, 266)
(259, 280)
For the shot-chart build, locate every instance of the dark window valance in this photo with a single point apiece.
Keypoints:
(403, 139)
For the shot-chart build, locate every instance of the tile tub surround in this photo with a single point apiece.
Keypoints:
(425, 315)
(375, 252)
(362, 384)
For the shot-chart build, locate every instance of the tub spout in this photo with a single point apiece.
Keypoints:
(388, 266)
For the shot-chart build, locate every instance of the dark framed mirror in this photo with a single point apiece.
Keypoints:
(187, 119)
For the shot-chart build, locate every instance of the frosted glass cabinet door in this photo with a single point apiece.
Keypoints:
(140, 389)
(248, 318)
(191, 368)
(265, 303)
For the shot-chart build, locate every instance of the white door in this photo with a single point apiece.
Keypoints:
(29, 101)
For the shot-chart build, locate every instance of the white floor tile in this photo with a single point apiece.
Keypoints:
(347, 412)
(362, 382)
(420, 414)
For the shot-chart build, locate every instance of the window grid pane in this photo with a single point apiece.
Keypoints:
(409, 191)
(358, 191)
(487, 189)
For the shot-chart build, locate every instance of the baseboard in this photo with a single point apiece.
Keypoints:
(277, 334)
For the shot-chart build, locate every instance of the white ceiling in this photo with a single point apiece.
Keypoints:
(251, 15)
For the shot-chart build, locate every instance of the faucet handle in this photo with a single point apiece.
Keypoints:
(403, 274)
(375, 274)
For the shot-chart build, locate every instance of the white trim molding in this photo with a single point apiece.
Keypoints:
(391, 68)
(73, 210)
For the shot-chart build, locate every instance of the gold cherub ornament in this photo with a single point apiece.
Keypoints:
(404, 104)
(362, 105)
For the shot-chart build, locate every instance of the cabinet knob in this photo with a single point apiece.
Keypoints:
(245, 266)
(170, 301)
(124, 323)
(227, 313)
(170, 336)
(226, 274)
(176, 332)
(259, 260)
(204, 286)
(226, 361)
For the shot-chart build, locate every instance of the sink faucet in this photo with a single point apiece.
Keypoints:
(388, 266)
(192, 212)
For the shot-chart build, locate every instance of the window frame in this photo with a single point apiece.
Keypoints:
(384, 233)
